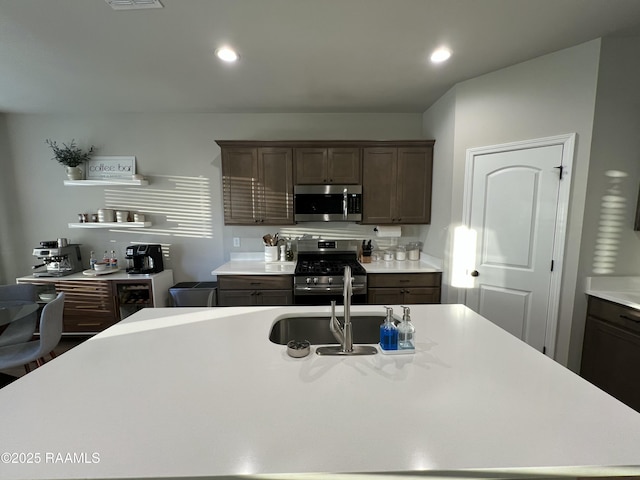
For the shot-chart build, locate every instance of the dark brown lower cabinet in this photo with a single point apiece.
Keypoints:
(611, 350)
(400, 288)
(253, 290)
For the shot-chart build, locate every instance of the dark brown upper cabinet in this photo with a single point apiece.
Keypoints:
(321, 165)
(396, 184)
(257, 185)
(258, 177)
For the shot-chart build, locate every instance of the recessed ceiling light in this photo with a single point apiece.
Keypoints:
(227, 54)
(440, 55)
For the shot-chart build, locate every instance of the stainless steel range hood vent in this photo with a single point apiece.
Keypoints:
(133, 4)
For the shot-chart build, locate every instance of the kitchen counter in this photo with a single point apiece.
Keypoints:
(254, 267)
(623, 290)
(406, 266)
(154, 397)
(119, 275)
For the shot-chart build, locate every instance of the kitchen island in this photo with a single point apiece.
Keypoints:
(202, 392)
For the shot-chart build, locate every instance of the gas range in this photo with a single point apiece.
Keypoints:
(320, 268)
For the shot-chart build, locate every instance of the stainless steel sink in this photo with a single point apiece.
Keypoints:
(366, 329)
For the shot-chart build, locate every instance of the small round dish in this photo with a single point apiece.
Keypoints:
(47, 297)
(298, 349)
(100, 266)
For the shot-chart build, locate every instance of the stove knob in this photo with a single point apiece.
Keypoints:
(308, 280)
(330, 280)
(315, 281)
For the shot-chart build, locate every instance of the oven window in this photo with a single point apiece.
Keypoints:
(311, 203)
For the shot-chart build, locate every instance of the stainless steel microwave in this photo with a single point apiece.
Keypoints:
(327, 203)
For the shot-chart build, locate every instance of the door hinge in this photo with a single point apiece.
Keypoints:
(552, 265)
(560, 171)
(544, 350)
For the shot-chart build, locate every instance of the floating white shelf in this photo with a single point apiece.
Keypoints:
(95, 183)
(110, 225)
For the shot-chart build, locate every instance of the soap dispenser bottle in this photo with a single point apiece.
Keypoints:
(406, 331)
(389, 332)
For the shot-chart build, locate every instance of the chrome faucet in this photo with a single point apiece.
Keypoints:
(344, 333)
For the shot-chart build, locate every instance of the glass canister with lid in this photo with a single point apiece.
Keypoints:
(413, 250)
(401, 253)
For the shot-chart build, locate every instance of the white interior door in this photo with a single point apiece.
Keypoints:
(514, 207)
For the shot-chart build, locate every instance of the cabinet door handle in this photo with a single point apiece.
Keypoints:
(405, 280)
(633, 319)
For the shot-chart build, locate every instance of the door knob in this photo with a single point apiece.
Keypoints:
(475, 273)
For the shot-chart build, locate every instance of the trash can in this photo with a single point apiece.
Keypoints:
(194, 294)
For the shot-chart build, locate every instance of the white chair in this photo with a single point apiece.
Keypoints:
(35, 351)
(21, 330)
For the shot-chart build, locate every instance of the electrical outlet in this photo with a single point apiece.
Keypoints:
(236, 241)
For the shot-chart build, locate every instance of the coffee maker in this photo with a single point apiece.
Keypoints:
(58, 260)
(144, 259)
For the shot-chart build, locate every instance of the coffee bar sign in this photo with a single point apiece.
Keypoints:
(104, 168)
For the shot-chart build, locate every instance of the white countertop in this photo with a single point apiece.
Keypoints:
(406, 266)
(624, 290)
(254, 267)
(197, 392)
(249, 267)
(119, 275)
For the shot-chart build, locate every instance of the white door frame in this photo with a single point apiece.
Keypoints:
(568, 142)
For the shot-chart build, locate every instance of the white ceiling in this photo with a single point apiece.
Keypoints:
(296, 55)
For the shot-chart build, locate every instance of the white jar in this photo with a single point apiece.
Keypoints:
(413, 251)
(401, 253)
(388, 256)
(106, 215)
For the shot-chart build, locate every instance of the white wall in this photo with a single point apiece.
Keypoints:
(546, 96)
(166, 146)
(610, 246)
(439, 122)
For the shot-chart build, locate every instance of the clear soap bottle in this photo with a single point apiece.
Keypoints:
(389, 332)
(406, 331)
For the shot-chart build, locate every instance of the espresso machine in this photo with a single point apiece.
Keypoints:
(57, 260)
(144, 259)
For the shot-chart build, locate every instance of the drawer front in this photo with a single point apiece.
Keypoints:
(614, 313)
(404, 279)
(255, 282)
(87, 298)
(82, 324)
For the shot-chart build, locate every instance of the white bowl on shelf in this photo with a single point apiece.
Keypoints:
(47, 297)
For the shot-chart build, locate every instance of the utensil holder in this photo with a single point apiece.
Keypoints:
(270, 253)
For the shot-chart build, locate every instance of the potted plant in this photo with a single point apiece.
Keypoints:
(71, 156)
